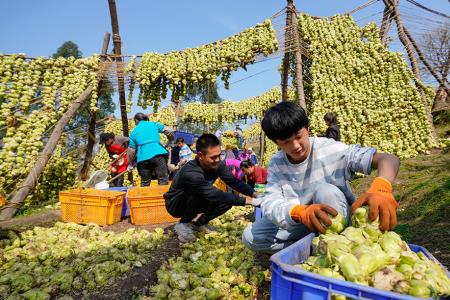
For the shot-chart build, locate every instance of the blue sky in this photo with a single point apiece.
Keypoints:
(38, 28)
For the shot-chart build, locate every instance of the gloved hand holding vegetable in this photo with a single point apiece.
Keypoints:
(313, 216)
(381, 203)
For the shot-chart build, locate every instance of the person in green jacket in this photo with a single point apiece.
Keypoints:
(145, 146)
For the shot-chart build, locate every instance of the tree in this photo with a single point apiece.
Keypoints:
(68, 49)
(436, 49)
(77, 128)
(206, 93)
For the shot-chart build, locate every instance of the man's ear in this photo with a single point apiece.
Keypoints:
(200, 155)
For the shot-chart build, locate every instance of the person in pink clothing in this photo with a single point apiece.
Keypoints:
(234, 165)
(245, 155)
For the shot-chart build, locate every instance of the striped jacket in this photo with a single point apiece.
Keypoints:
(328, 162)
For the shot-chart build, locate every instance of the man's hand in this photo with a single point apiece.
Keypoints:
(381, 203)
(256, 195)
(257, 200)
(313, 215)
(248, 200)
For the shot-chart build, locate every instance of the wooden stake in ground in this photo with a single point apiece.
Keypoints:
(285, 73)
(93, 116)
(22, 192)
(415, 67)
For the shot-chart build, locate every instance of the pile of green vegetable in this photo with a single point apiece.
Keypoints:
(363, 254)
(371, 89)
(44, 262)
(216, 266)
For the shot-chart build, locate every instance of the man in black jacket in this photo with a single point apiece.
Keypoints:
(192, 192)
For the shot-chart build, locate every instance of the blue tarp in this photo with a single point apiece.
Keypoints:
(188, 137)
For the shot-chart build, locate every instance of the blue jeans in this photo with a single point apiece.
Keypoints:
(265, 236)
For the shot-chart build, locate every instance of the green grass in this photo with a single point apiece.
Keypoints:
(423, 191)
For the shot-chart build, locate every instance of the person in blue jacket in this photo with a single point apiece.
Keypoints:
(145, 146)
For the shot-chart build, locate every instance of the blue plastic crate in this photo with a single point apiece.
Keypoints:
(258, 213)
(289, 282)
(125, 208)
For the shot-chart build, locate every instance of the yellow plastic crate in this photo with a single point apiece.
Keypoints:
(147, 205)
(82, 206)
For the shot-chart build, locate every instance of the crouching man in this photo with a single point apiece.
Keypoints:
(308, 180)
(192, 196)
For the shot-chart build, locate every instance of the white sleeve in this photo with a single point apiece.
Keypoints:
(274, 205)
(358, 159)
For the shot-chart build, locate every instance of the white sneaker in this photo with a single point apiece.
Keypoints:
(185, 232)
(206, 228)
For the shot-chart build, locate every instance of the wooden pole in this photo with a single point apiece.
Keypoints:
(298, 60)
(441, 101)
(262, 140)
(285, 72)
(118, 51)
(385, 25)
(415, 66)
(442, 81)
(22, 192)
(93, 116)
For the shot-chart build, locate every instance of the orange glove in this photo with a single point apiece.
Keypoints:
(313, 215)
(381, 202)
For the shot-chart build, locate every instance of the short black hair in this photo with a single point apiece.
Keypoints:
(246, 164)
(106, 136)
(206, 141)
(179, 140)
(283, 120)
(140, 117)
(330, 117)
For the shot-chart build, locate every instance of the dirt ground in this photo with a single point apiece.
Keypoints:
(44, 218)
(137, 281)
(48, 218)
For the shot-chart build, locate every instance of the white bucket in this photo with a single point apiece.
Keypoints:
(103, 185)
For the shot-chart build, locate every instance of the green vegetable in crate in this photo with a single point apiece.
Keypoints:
(338, 224)
(364, 255)
(419, 288)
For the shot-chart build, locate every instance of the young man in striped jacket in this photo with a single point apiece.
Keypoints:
(308, 180)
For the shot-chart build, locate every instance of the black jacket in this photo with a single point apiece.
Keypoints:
(333, 132)
(192, 181)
